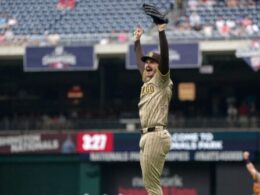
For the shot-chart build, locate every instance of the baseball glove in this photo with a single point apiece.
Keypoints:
(153, 11)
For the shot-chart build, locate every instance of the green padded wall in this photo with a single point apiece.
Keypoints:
(48, 175)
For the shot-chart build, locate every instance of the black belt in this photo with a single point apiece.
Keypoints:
(150, 129)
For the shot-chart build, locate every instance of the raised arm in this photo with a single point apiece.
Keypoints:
(164, 50)
(249, 165)
(161, 22)
(138, 49)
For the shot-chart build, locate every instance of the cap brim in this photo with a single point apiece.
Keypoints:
(144, 58)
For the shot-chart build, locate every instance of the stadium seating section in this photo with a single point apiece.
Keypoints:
(112, 16)
(209, 16)
(87, 16)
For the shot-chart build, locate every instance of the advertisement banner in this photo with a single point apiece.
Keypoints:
(37, 143)
(203, 146)
(105, 146)
(176, 179)
(182, 55)
(59, 58)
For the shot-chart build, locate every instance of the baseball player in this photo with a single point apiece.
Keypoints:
(154, 102)
(254, 173)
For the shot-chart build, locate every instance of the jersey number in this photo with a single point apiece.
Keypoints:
(147, 90)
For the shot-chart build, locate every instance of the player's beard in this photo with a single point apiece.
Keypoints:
(150, 74)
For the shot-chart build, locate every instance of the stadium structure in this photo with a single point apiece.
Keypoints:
(69, 90)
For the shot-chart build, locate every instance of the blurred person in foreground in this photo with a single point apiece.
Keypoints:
(254, 173)
(155, 97)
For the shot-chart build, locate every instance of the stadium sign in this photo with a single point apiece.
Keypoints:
(181, 55)
(176, 178)
(203, 146)
(105, 146)
(59, 58)
(37, 143)
(94, 142)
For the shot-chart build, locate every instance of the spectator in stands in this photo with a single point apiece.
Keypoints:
(232, 3)
(225, 31)
(35, 39)
(222, 27)
(243, 114)
(231, 23)
(66, 4)
(71, 4)
(183, 23)
(61, 4)
(62, 121)
(177, 8)
(253, 115)
(193, 4)
(208, 30)
(219, 23)
(53, 39)
(122, 37)
(104, 41)
(195, 21)
(251, 102)
(3, 21)
(12, 22)
(251, 3)
(208, 3)
(247, 3)
(239, 30)
(9, 35)
(249, 27)
(232, 114)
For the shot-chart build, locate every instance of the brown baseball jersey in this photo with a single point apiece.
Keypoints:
(154, 104)
(154, 100)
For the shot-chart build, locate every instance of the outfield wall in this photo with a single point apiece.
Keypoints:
(105, 162)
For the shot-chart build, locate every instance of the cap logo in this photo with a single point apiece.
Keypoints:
(150, 54)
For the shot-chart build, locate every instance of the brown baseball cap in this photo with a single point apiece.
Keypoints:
(152, 56)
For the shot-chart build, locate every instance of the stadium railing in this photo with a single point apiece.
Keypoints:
(131, 124)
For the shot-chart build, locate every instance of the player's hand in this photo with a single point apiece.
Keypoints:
(138, 33)
(246, 155)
